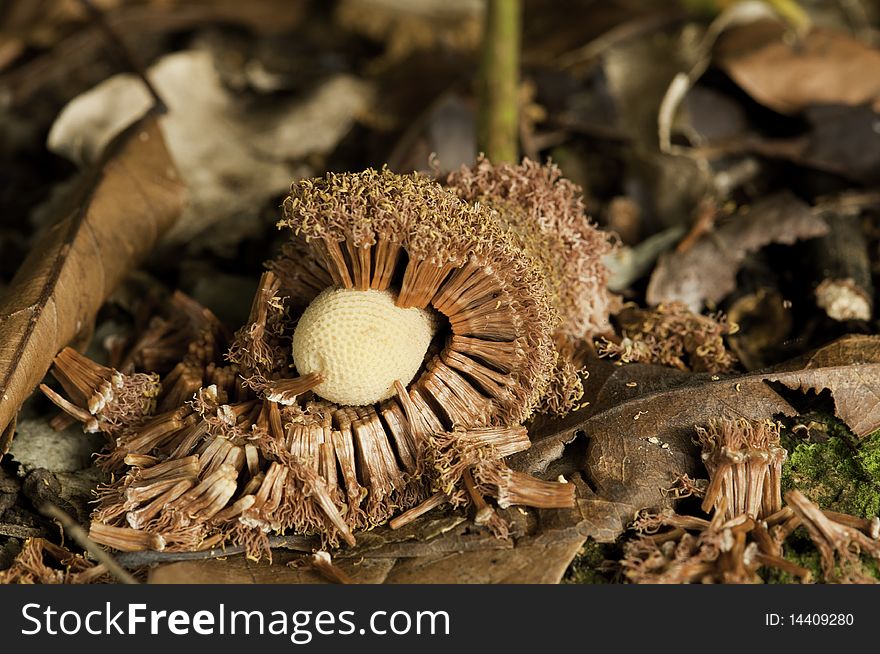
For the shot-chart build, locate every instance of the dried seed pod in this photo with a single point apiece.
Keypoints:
(392, 353)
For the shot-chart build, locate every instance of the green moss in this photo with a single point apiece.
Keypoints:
(868, 456)
(834, 468)
(589, 566)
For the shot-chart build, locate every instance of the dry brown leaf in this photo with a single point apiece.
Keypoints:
(536, 564)
(437, 549)
(850, 369)
(529, 562)
(640, 438)
(707, 271)
(130, 198)
(787, 75)
(240, 570)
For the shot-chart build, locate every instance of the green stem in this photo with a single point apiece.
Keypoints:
(498, 128)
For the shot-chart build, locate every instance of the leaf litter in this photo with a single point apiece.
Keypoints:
(631, 449)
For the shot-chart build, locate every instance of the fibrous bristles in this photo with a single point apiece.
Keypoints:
(510, 487)
(301, 275)
(421, 279)
(125, 539)
(671, 335)
(385, 258)
(744, 460)
(285, 391)
(489, 277)
(536, 196)
(405, 518)
(108, 400)
(38, 562)
(331, 254)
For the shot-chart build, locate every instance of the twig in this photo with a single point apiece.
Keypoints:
(132, 560)
(639, 26)
(77, 533)
(499, 81)
(842, 268)
(706, 213)
(19, 531)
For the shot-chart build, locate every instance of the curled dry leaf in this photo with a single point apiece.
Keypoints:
(640, 445)
(789, 75)
(706, 272)
(124, 205)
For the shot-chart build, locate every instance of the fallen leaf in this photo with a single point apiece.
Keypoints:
(641, 437)
(240, 570)
(788, 75)
(125, 204)
(437, 549)
(850, 369)
(233, 157)
(842, 140)
(528, 563)
(706, 272)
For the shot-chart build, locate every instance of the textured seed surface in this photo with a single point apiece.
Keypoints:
(361, 343)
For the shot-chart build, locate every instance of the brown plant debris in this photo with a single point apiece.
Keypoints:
(824, 66)
(843, 270)
(721, 551)
(749, 527)
(744, 460)
(839, 538)
(640, 423)
(850, 369)
(238, 445)
(322, 563)
(43, 562)
(114, 401)
(671, 335)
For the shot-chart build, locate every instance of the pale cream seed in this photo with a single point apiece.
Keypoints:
(361, 343)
